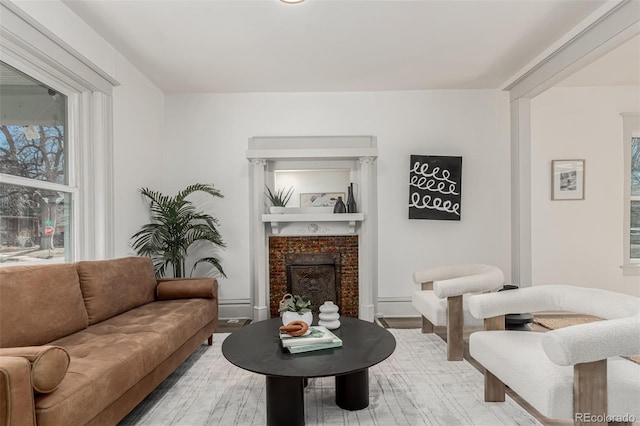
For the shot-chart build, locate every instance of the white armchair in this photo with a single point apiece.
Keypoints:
(442, 300)
(575, 372)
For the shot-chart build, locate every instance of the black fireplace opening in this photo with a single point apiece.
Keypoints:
(315, 275)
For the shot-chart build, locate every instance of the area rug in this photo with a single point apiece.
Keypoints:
(415, 386)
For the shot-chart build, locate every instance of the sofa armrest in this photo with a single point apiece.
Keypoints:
(17, 406)
(48, 365)
(593, 341)
(187, 288)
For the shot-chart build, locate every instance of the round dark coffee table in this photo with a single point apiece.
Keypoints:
(257, 348)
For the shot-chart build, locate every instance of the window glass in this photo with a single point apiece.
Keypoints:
(34, 224)
(32, 128)
(635, 199)
(35, 217)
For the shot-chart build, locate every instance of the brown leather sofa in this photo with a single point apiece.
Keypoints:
(84, 343)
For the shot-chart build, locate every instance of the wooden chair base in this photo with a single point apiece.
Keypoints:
(455, 329)
(427, 326)
(590, 393)
(210, 340)
(494, 389)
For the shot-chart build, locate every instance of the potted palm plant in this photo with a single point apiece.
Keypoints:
(175, 226)
(278, 199)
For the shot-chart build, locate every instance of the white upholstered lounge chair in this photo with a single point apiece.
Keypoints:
(576, 372)
(442, 300)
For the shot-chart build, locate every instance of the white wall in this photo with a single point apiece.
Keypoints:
(581, 242)
(138, 138)
(207, 139)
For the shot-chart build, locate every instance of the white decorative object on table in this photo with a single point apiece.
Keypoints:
(288, 316)
(329, 315)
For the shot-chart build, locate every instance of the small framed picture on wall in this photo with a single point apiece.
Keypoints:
(567, 179)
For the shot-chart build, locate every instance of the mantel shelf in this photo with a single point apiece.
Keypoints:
(276, 219)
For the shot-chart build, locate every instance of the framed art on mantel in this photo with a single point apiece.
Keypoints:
(567, 180)
(320, 199)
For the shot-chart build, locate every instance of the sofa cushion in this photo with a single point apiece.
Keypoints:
(110, 357)
(39, 304)
(49, 364)
(110, 287)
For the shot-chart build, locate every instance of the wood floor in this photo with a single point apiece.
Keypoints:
(230, 325)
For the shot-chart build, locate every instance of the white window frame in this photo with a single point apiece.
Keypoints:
(630, 129)
(72, 141)
(32, 49)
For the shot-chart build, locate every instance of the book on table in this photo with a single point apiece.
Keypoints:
(319, 337)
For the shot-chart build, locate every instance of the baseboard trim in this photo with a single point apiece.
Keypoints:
(396, 307)
(235, 309)
(388, 307)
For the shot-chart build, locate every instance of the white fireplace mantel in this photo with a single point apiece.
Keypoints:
(267, 153)
(314, 223)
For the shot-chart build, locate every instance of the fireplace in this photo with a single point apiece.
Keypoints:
(320, 267)
(312, 230)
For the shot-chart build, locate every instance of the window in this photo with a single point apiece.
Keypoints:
(56, 147)
(634, 201)
(36, 195)
(631, 223)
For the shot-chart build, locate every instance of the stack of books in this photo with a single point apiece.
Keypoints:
(318, 338)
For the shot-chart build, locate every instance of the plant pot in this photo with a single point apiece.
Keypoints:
(276, 209)
(288, 316)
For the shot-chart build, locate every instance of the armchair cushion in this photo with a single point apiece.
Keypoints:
(185, 288)
(435, 309)
(49, 364)
(456, 280)
(548, 387)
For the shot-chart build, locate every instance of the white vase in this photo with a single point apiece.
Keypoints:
(288, 316)
(329, 316)
(276, 209)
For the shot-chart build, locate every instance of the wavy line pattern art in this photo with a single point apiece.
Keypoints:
(435, 187)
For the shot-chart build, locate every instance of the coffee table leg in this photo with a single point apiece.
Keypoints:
(352, 390)
(285, 401)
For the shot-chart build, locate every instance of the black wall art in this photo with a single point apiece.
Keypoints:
(435, 187)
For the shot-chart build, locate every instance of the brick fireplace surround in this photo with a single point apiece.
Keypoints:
(345, 245)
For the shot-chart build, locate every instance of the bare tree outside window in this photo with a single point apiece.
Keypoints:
(34, 216)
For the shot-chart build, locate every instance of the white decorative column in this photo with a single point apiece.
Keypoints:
(521, 268)
(368, 241)
(259, 274)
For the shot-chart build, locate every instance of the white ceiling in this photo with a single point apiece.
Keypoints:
(331, 45)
